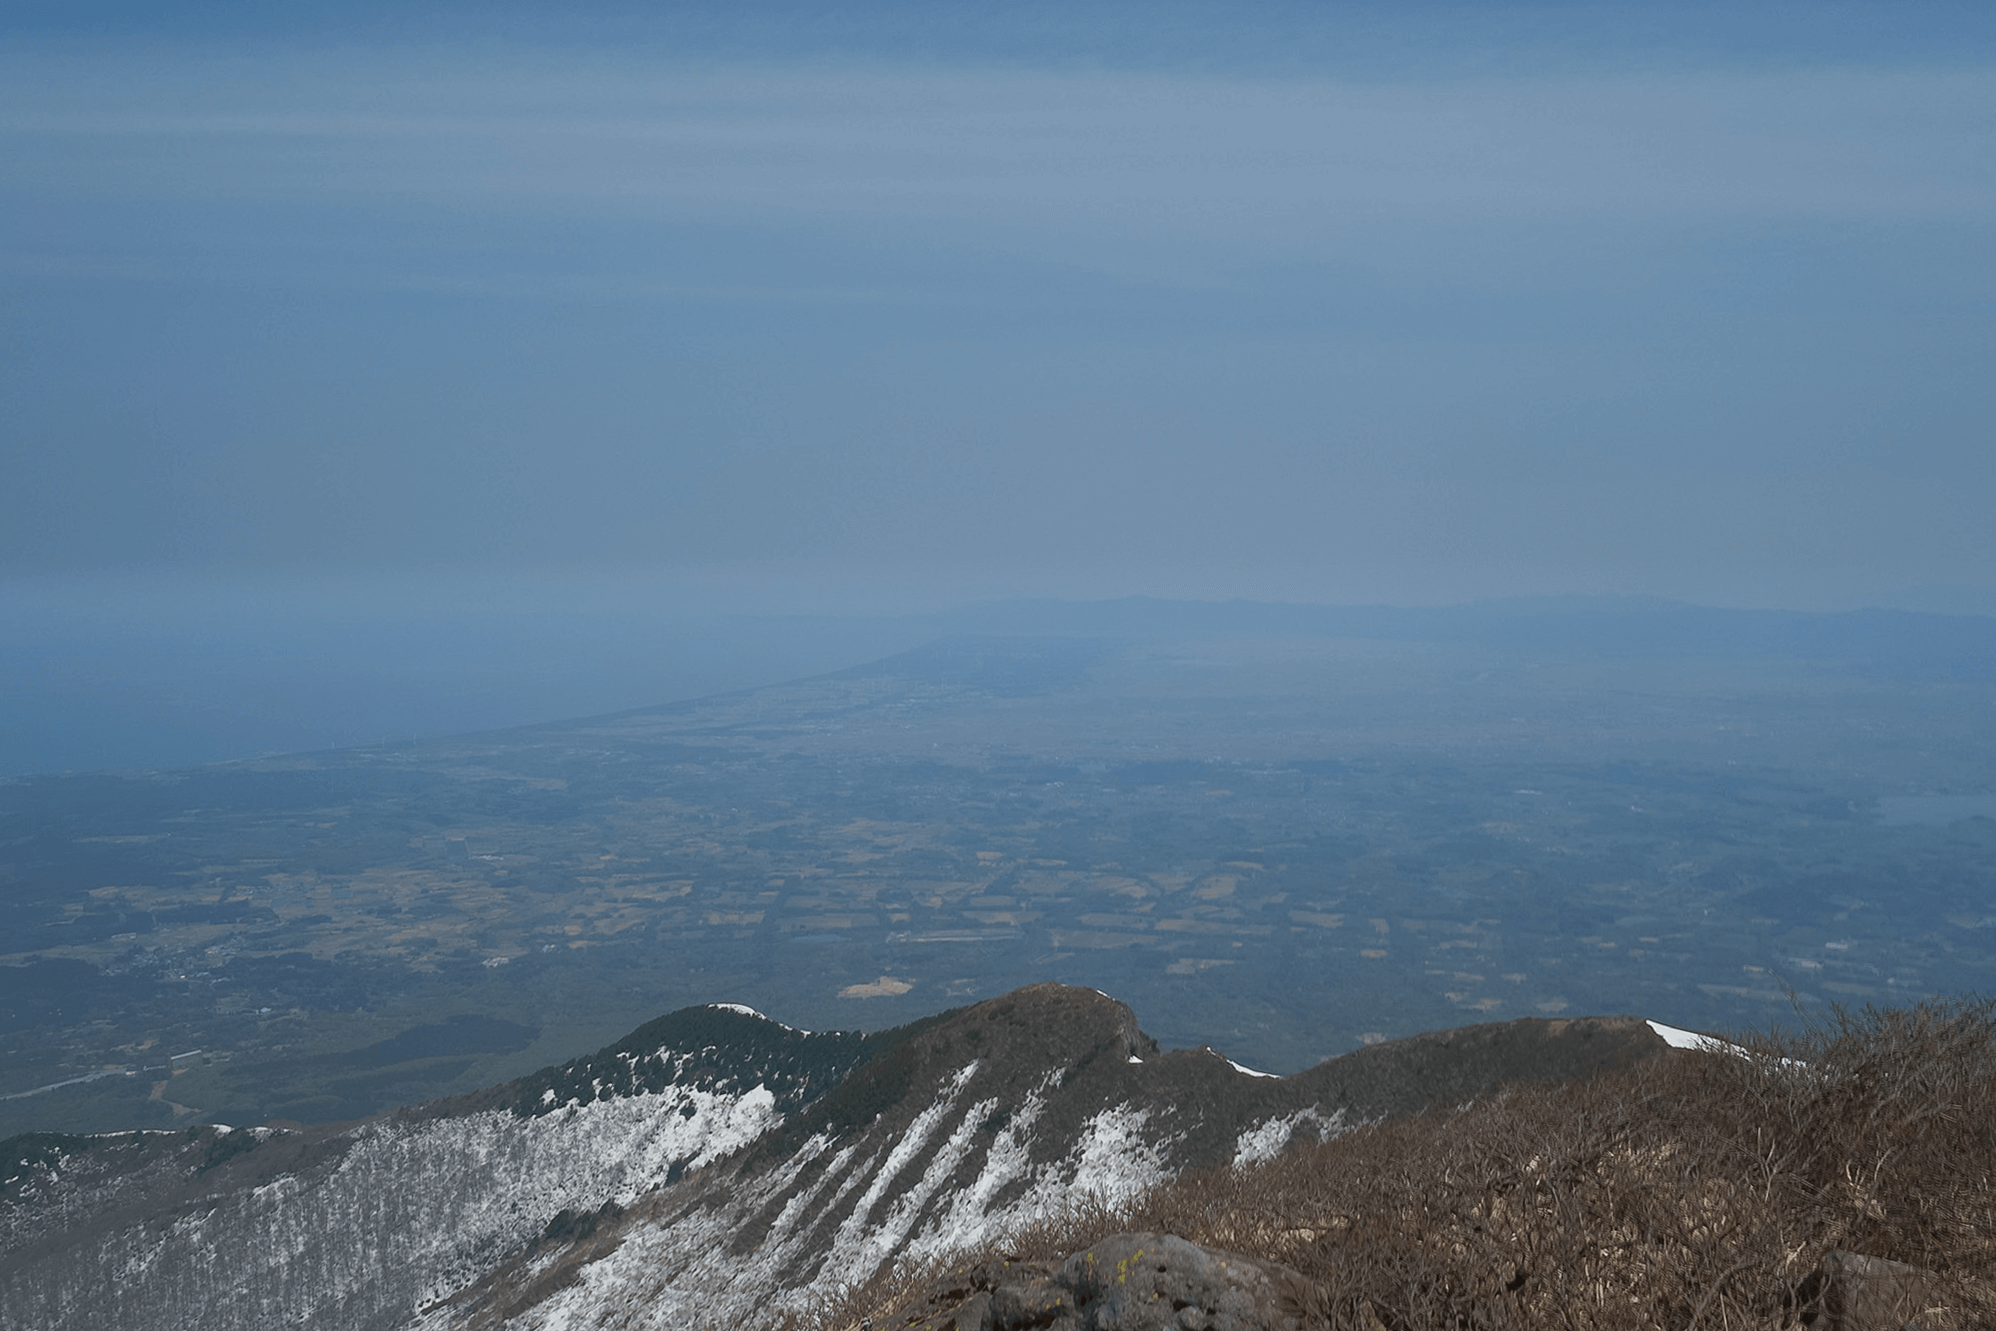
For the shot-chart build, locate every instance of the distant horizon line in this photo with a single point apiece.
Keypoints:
(790, 595)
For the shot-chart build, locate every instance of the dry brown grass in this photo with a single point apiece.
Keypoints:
(1698, 1190)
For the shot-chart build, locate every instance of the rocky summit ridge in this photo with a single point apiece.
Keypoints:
(712, 1168)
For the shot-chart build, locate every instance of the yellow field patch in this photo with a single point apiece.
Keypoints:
(884, 987)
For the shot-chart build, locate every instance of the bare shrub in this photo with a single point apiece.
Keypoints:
(1699, 1189)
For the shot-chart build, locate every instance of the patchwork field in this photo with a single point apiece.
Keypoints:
(1283, 847)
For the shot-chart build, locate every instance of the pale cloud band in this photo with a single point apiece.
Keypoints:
(1713, 330)
(1295, 168)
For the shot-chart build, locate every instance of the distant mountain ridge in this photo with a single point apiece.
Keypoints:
(711, 1165)
(1609, 625)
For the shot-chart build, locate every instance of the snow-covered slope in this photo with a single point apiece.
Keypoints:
(1004, 1113)
(368, 1226)
(711, 1169)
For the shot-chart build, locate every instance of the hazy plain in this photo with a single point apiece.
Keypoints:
(1279, 830)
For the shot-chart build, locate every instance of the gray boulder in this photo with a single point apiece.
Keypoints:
(1128, 1282)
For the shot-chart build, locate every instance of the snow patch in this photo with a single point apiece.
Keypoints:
(1113, 1162)
(1678, 1039)
(747, 1011)
(1267, 1140)
(1249, 1071)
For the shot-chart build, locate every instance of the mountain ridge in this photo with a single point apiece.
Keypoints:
(711, 1164)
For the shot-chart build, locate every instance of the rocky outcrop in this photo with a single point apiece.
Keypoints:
(1127, 1282)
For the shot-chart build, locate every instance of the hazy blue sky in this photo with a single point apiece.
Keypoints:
(1347, 303)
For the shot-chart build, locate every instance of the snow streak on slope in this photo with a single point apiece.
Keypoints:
(866, 1238)
(689, 1264)
(689, 1268)
(971, 1213)
(1111, 1163)
(1265, 1141)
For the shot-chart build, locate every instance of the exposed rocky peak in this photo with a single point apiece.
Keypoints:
(1008, 1044)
